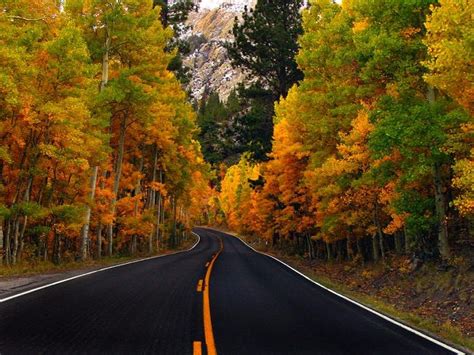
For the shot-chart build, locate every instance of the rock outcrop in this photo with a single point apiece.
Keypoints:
(211, 70)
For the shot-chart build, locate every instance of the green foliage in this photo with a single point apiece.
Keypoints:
(175, 14)
(266, 44)
(213, 136)
(242, 124)
(30, 209)
(252, 128)
(68, 214)
(4, 211)
(364, 147)
(265, 47)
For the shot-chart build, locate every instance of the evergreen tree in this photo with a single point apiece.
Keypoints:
(174, 14)
(252, 128)
(266, 44)
(215, 119)
(212, 115)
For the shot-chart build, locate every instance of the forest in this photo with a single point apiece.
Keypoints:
(352, 140)
(372, 151)
(98, 155)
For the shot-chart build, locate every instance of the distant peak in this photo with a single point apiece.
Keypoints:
(229, 5)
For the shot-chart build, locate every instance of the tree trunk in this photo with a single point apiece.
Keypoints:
(99, 240)
(152, 197)
(440, 203)
(349, 249)
(379, 231)
(100, 226)
(22, 238)
(137, 192)
(329, 251)
(308, 243)
(173, 241)
(85, 227)
(376, 217)
(375, 248)
(16, 235)
(397, 238)
(95, 170)
(7, 244)
(158, 222)
(1, 238)
(159, 211)
(117, 176)
(105, 59)
(162, 233)
(359, 250)
(134, 244)
(19, 234)
(45, 246)
(57, 249)
(407, 240)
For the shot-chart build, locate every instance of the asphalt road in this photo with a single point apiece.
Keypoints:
(220, 297)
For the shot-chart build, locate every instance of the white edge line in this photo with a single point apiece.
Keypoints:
(391, 320)
(97, 271)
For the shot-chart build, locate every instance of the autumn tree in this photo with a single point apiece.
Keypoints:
(95, 132)
(373, 132)
(449, 39)
(52, 136)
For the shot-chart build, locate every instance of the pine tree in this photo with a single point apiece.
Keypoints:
(174, 14)
(266, 44)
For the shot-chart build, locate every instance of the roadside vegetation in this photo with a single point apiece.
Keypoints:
(372, 151)
(98, 155)
(369, 184)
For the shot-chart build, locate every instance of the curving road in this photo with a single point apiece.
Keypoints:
(221, 297)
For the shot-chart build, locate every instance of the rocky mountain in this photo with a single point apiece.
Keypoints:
(208, 60)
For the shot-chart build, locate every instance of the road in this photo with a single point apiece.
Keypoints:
(221, 297)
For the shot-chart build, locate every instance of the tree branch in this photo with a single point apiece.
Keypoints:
(27, 19)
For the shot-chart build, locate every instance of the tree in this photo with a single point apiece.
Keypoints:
(364, 147)
(266, 44)
(214, 134)
(450, 36)
(96, 131)
(449, 39)
(236, 192)
(174, 14)
(52, 136)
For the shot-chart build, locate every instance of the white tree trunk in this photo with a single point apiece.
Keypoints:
(85, 227)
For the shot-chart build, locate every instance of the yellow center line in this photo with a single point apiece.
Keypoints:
(197, 348)
(208, 333)
(207, 264)
(199, 286)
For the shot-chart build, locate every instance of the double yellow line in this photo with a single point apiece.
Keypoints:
(208, 332)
